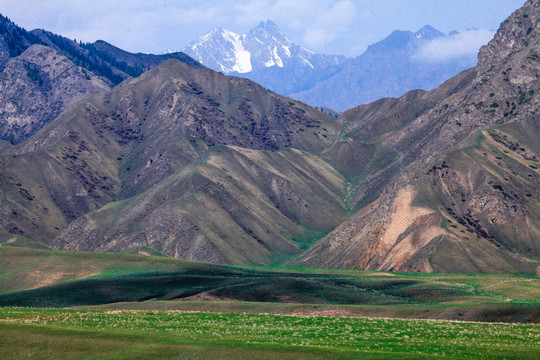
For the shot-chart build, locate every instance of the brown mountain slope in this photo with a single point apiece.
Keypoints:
(36, 86)
(5, 145)
(457, 188)
(362, 146)
(188, 161)
(238, 206)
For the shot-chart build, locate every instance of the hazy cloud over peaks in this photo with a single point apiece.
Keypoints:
(456, 46)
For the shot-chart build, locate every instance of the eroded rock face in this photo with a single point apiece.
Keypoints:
(517, 33)
(382, 236)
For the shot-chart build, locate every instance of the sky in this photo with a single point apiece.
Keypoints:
(344, 27)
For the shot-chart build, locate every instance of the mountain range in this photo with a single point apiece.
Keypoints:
(43, 73)
(266, 56)
(199, 165)
(388, 68)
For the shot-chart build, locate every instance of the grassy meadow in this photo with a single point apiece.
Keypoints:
(85, 305)
(46, 333)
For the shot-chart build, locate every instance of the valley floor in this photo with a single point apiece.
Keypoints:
(85, 305)
(150, 334)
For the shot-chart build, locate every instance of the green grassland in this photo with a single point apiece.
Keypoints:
(58, 279)
(46, 333)
(89, 305)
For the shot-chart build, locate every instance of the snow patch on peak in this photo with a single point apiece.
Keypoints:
(275, 59)
(287, 50)
(242, 57)
(222, 50)
(306, 62)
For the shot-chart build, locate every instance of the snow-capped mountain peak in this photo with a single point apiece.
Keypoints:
(268, 45)
(268, 33)
(222, 50)
(264, 46)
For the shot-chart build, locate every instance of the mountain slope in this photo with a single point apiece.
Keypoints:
(457, 188)
(238, 206)
(44, 73)
(14, 40)
(185, 160)
(36, 86)
(105, 59)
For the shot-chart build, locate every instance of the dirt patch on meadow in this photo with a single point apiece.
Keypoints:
(382, 274)
(49, 274)
(205, 297)
(321, 312)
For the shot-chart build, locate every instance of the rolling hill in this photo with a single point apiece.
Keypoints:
(52, 278)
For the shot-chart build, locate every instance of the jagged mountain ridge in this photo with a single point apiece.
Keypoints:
(105, 59)
(388, 68)
(100, 57)
(264, 55)
(262, 47)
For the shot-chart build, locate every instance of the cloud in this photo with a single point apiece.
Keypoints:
(316, 37)
(329, 24)
(454, 47)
